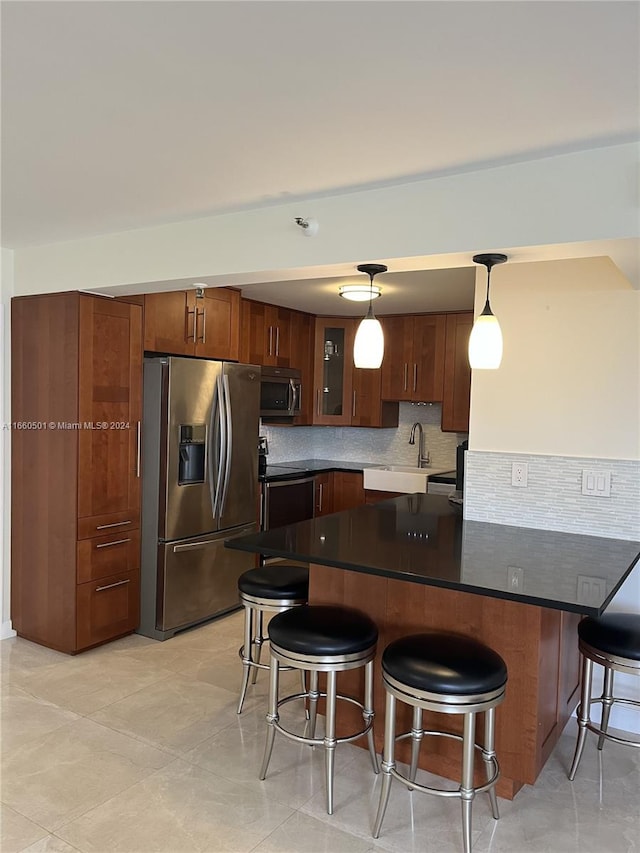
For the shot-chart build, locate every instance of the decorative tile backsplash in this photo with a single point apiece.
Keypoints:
(553, 497)
(385, 446)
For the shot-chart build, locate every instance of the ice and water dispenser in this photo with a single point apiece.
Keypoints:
(191, 466)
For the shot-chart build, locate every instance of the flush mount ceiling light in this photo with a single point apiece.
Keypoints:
(368, 347)
(485, 341)
(360, 292)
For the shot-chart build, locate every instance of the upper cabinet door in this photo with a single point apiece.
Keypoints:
(397, 365)
(181, 323)
(169, 323)
(457, 374)
(332, 371)
(109, 408)
(217, 323)
(266, 334)
(427, 368)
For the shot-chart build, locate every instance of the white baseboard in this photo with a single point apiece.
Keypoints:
(6, 630)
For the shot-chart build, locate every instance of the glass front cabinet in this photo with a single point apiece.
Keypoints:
(333, 371)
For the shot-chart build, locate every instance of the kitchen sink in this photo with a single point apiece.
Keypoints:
(399, 478)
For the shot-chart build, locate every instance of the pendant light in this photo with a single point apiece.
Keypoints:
(485, 341)
(368, 347)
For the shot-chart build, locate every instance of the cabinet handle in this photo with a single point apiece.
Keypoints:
(115, 524)
(406, 376)
(203, 339)
(138, 453)
(353, 407)
(270, 340)
(277, 340)
(187, 335)
(318, 401)
(415, 377)
(320, 491)
(117, 542)
(111, 585)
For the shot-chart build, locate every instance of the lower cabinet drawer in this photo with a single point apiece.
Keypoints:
(107, 608)
(108, 555)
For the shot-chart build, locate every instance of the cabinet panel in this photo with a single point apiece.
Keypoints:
(109, 407)
(348, 490)
(333, 371)
(397, 365)
(301, 357)
(107, 608)
(457, 374)
(427, 369)
(169, 323)
(265, 334)
(324, 493)
(108, 555)
(217, 323)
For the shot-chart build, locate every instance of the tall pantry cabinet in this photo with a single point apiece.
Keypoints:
(76, 410)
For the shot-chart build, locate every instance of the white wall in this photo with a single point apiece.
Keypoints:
(569, 382)
(584, 196)
(6, 289)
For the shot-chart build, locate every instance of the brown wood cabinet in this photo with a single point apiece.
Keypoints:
(76, 404)
(323, 502)
(413, 365)
(184, 323)
(266, 334)
(344, 395)
(302, 338)
(348, 490)
(457, 374)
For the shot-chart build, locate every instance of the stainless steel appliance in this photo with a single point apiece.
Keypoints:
(280, 392)
(287, 501)
(199, 487)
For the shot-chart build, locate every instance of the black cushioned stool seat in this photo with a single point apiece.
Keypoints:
(450, 674)
(276, 581)
(444, 663)
(613, 642)
(269, 589)
(321, 638)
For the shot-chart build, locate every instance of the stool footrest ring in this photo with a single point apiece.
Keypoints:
(320, 741)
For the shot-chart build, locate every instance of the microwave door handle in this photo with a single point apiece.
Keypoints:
(296, 396)
(291, 397)
(225, 414)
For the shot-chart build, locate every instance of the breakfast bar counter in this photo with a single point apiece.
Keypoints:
(414, 564)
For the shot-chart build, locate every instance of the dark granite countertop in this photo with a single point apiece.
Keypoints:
(424, 539)
(308, 467)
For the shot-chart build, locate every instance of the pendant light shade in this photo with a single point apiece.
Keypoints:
(368, 348)
(485, 341)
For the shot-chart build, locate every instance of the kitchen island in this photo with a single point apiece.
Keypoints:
(412, 563)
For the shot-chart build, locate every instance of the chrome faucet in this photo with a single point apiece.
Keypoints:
(423, 458)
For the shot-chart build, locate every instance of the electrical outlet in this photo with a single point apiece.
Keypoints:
(591, 590)
(514, 579)
(519, 474)
(596, 483)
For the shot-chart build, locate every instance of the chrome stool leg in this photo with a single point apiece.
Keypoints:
(246, 654)
(388, 760)
(584, 714)
(314, 695)
(607, 702)
(272, 715)
(368, 713)
(330, 738)
(258, 641)
(489, 756)
(467, 791)
(416, 740)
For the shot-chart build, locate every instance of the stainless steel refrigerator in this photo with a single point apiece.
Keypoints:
(199, 487)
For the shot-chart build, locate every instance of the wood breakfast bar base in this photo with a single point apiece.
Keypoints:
(413, 564)
(538, 645)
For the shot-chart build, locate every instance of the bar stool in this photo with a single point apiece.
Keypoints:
(321, 638)
(613, 641)
(269, 589)
(450, 674)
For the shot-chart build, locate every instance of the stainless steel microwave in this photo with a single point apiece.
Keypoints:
(280, 392)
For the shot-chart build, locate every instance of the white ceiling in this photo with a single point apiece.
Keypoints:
(123, 115)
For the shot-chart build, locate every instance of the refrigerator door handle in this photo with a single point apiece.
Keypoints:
(222, 446)
(227, 432)
(213, 455)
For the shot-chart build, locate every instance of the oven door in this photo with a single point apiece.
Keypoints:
(287, 502)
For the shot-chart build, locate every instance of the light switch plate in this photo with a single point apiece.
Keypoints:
(596, 483)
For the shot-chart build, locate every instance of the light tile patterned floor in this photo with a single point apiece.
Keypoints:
(136, 747)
